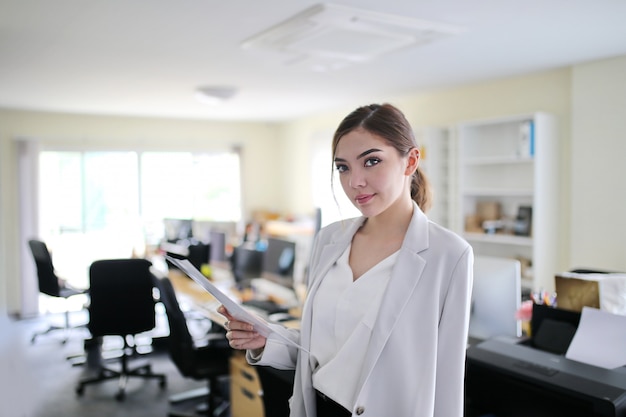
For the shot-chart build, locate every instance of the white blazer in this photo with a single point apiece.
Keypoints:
(415, 362)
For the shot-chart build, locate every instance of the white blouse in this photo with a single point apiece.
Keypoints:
(344, 312)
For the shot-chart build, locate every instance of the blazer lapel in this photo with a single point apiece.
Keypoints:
(404, 279)
(331, 251)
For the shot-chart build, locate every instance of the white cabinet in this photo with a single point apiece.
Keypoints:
(508, 168)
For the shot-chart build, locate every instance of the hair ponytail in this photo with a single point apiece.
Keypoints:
(421, 191)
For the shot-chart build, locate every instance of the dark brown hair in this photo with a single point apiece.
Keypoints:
(389, 123)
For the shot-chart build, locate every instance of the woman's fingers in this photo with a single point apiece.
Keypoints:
(238, 339)
(222, 310)
(239, 325)
(240, 335)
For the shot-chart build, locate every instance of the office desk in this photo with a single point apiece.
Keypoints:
(246, 390)
(189, 291)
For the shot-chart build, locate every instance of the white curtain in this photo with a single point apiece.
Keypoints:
(28, 174)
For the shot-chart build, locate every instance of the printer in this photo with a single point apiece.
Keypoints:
(508, 377)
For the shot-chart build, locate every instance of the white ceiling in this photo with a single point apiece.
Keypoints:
(146, 57)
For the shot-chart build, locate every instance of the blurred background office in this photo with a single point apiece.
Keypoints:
(102, 140)
(150, 151)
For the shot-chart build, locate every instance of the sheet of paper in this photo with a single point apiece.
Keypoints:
(233, 306)
(599, 339)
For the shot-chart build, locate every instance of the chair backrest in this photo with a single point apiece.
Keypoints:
(181, 345)
(47, 279)
(121, 297)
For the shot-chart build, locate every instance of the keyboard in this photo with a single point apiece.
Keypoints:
(267, 306)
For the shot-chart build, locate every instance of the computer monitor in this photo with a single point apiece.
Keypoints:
(246, 264)
(496, 297)
(177, 229)
(217, 242)
(278, 261)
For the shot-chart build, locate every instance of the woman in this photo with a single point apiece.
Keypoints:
(384, 326)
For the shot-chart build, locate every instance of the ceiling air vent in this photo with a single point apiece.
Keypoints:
(327, 36)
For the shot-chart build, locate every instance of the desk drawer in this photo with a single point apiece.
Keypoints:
(245, 389)
(245, 403)
(241, 373)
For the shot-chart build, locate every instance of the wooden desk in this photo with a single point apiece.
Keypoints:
(190, 291)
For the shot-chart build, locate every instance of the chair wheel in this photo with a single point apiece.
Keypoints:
(163, 383)
(80, 390)
(120, 396)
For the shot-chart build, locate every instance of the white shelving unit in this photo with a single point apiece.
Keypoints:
(436, 162)
(512, 162)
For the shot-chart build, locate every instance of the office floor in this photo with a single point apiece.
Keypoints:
(37, 380)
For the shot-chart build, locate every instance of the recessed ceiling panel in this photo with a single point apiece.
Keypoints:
(345, 34)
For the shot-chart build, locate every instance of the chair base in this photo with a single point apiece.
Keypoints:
(66, 328)
(49, 330)
(54, 329)
(94, 354)
(193, 394)
(105, 374)
(200, 408)
(142, 369)
(200, 402)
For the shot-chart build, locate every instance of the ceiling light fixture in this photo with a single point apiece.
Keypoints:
(328, 36)
(214, 95)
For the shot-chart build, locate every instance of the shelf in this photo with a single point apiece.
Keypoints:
(498, 160)
(499, 239)
(497, 192)
(511, 162)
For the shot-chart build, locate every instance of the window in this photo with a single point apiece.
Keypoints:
(97, 205)
(199, 186)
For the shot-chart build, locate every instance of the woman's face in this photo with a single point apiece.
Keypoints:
(373, 174)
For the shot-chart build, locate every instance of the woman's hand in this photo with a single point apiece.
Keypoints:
(241, 335)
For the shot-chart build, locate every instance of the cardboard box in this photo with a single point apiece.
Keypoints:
(473, 224)
(605, 291)
(574, 292)
(488, 210)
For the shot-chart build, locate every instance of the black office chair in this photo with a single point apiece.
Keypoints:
(122, 304)
(51, 285)
(208, 362)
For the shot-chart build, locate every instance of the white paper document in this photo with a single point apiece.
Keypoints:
(233, 306)
(600, 339)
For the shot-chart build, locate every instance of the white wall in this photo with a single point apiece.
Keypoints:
(598, 204)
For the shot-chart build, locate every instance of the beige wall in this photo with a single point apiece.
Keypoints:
(261, 167)
(598, 204)
(588, 100)
(546, 91)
